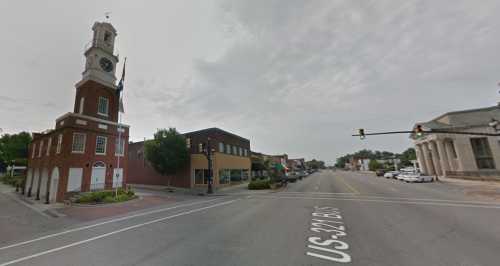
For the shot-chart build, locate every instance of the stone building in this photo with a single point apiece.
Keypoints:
(461, 156)
(83, 152)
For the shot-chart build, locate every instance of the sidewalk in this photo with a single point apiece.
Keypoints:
(475, 188)
(47, 210)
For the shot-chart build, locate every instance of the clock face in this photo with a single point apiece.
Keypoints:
(106, 64)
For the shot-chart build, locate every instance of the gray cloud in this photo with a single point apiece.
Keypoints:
(293, 76)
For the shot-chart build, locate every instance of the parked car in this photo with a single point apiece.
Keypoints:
(379, 172)
(292, 177)
(391, 174)
(402, 175)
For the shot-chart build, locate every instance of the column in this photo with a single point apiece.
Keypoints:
(451, 157)
(435, 158)
(443, 156)
(427, 160)
(420, 158)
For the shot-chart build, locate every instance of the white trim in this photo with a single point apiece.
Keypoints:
(82, 101)
(95, 119)
(40, 149)
(81, 122)
(33, 151)
(59, 143)
(49, 145)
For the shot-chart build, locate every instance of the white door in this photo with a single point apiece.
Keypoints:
(74, 180)
(54, 185)
(34, 187)
(98, 178)
(43, 184)
(118, 177)
(28, 180)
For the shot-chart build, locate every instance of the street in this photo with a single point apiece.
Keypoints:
(328, 218)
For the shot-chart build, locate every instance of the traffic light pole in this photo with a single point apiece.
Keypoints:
(208, 153)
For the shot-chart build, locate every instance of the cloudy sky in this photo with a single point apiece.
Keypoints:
(296, 77)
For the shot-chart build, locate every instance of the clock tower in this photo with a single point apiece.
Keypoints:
(96, 93)
(100, 58)
(88, 148)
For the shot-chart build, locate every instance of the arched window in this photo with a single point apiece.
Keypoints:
(99, 165)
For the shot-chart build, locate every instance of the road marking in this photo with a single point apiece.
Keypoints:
(114, 233)
(319, 193)
(103, 223)
(348, 186)
(445, 204)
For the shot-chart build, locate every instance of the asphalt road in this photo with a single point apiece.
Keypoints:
(329, 218)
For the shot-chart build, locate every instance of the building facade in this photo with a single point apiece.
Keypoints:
(87, 149)
(461, 156)
(231, 162)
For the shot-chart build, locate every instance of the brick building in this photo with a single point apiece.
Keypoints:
(231, 161)
(83, 152)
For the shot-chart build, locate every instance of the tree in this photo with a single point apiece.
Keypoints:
(374, 165)
(167, 151)
(14, 148)
(407, 156)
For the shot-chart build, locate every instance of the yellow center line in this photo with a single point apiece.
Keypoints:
(348, 186)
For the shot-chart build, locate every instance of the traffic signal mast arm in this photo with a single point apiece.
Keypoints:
(427, 132)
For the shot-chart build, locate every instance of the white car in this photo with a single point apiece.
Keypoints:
(391, 174)
(402, 175)
(418, 178)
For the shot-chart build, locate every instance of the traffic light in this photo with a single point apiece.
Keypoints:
(361, 133)
(419, 132)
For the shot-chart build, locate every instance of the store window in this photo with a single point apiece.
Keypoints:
(201, 176)
(224, 176)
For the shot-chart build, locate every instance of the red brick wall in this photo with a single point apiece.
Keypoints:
(141, 172)
(66, 159)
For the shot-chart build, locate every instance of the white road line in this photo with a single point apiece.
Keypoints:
(103, 223)
(313, 192)
(487, 206)
(113, 233)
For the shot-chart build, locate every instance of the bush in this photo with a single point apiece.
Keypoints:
(259, 184)
(106, 196)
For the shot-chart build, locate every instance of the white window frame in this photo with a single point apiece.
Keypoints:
(188, 143)
(240, 151)
(221, 147)
(106, 100)
(119, 151)
(228, 148)
(83, 143)
(59, 143)
(49, 145)
(97, 144)
(40, 149)
(235, 150)
(33, 151)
